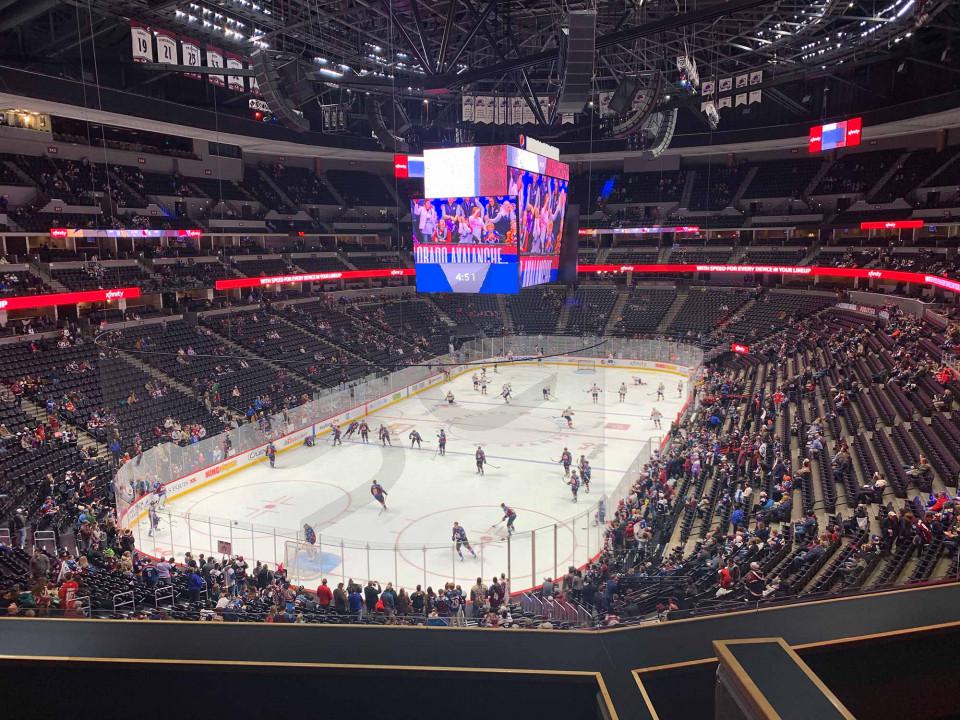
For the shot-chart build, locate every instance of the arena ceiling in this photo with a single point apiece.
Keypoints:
(436, 50)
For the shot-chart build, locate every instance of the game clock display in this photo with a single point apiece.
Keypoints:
(466, 244)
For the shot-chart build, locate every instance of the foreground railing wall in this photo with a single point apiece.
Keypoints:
(525, 557)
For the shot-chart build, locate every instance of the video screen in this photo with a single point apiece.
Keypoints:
(846, 133)
(542, 205)
(466, 244)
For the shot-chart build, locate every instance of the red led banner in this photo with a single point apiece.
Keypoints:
(72, 298)
(234, 283)
(740, 349)
(891, 225)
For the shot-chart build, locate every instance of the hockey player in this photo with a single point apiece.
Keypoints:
(336, 435)
(476, 381)
(154, 517)
(384, 435)
(586, 472)
(622, 392)
(272, 454)
(601, 517)
(637, 380)
(460, 538)
(415, 438)
(546, 392)
(574, 484)
(481, 458)
(309, 534)
(505, 393)
(351, 429)
(379, 494)
(568, 416)
(655, 415)
(680, 389)
(364, 432)
(442, 443)
(660, 391)
(595, 393)
(510, 515)
(160, 490)
(566, 459)
(449, 398)
(483, 384)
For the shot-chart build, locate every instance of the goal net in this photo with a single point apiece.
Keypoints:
(587, 366)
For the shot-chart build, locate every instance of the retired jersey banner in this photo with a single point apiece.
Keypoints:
(191, 56)
(215, 60)
(142, 42)
(166, 47)
(254, 85)
(235, 82)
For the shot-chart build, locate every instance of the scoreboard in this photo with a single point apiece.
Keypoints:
(845, 133)
(492, 220)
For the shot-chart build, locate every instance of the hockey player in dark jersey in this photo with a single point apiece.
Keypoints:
(336, 435)
(566, 459)
(510, 515)
(379, 494)
(364, 431)
(460, 538)
(442, 442)
(351, 429)
(586, 472)
(481, 458)
(384, 435)
(272, 454)
(415, 438)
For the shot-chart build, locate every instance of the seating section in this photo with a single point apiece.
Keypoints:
(775, 179)
(856, 173)
(192, 273)
(536, 310)
(20, 282)
(644, 310)
(262, 267)
(203, 361)
(331, 263)
(360, 188)
(704, 308)
(714, 186)
(589, 310)
(472, 314)
(96, 275)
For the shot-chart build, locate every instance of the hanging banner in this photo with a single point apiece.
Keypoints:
(708, 87)
(725, 102)
(466, 108)
(741, 99)
(166, 47)
(726, 84)
(191, 56)
(235, 82)
(742, 80)
(756, 96)
(254, 85)
(142, 42)
(215, 60)
(756, 77)
(501, 110)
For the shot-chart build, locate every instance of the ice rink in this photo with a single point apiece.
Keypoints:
(261, 511)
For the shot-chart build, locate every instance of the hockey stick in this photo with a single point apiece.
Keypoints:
(495, 467)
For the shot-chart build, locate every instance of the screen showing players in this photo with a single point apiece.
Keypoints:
(541, 205)
(845, 133)
(466, 244)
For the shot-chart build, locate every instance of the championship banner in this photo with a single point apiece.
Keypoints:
(142, 42)
(254, 85)
(166, 47)
(215, 60)
(235, 82)
(191, 56)
(467, 103)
